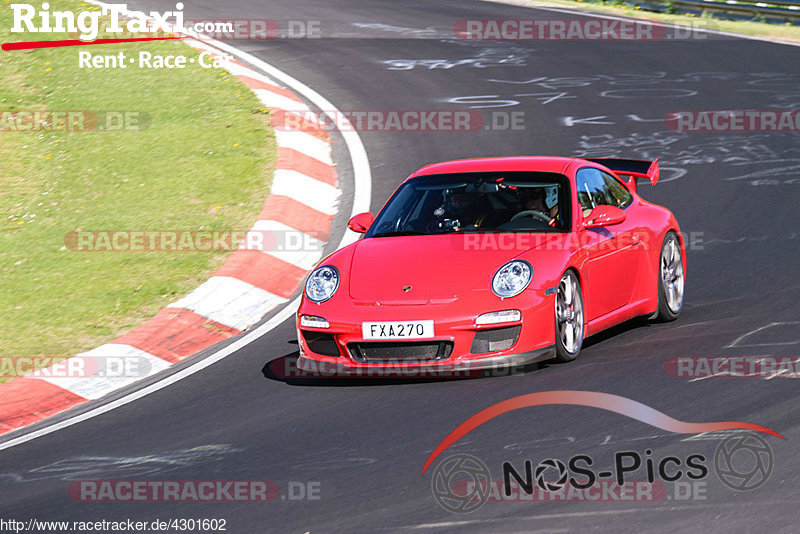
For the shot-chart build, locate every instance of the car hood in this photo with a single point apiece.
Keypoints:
(437, 268)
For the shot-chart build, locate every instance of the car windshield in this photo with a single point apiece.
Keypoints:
(476, 202)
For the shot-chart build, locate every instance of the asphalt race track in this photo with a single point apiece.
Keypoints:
(365, 443)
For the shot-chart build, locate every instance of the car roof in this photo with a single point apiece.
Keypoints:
(501, 164)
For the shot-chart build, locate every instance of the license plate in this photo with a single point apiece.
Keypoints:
(398, 330)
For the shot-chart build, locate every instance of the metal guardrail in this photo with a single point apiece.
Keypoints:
(770, 11)
(778, 3)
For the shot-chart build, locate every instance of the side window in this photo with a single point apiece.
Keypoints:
(592, 189)
(619, 195)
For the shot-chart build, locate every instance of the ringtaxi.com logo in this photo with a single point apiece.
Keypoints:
(89, 24)
(115, 23)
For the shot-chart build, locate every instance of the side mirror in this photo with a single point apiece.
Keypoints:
(604, 216)
(360, 223)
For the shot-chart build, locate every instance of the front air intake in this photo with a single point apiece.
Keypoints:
(495, 339)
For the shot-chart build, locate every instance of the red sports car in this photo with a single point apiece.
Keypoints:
(484, 262)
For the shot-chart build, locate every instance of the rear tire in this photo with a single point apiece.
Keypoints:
(671, 279)
(569, 318)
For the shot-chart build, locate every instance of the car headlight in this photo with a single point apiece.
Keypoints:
(512, 278)
(322, 283)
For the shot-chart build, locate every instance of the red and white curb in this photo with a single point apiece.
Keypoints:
(303, 198)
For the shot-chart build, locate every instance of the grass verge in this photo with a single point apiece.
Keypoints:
(203, 163)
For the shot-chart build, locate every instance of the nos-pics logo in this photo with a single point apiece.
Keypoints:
(461, 483)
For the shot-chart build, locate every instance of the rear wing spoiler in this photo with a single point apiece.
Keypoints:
(637, 168)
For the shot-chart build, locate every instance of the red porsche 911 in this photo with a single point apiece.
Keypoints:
(495, 261)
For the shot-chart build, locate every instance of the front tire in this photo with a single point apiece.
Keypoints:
(569, 318)
(671, 279)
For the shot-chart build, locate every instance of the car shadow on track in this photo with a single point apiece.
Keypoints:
(616, 330)
(284, 369)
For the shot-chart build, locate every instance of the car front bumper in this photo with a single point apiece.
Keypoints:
(458, 345)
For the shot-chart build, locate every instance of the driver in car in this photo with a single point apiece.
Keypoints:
(461, 210)
(535, 206)
(535, 200)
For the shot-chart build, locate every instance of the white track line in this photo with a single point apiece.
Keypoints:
(280, 102)
(362, 193)
(230, 301)
(292, 246)
(305, 143)
(240, 343)
(103, 383)
(313, 193)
